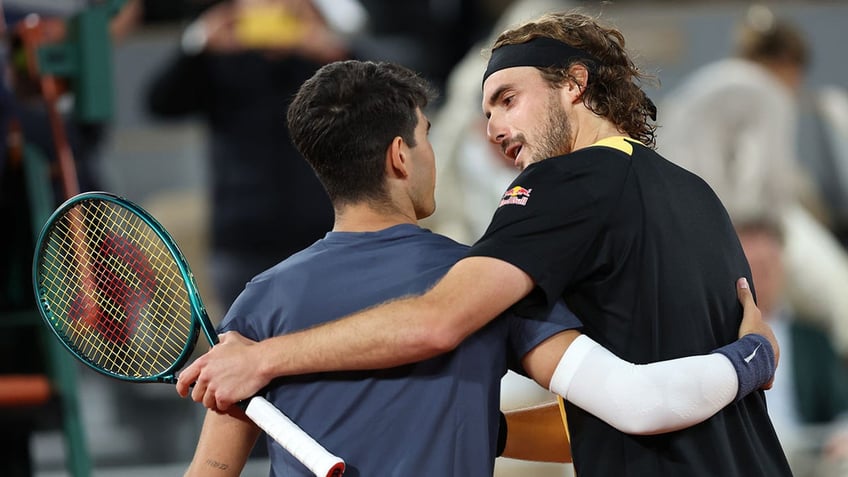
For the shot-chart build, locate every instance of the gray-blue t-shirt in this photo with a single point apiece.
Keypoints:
(435, 417)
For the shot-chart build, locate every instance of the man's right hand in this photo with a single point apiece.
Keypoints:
(752, 321)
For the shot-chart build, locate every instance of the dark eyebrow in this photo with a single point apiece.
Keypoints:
(494, 97)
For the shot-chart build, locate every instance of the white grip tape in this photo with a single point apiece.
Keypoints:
(294, 439)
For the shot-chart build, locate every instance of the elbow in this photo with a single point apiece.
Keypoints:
(436, 340)
(437, 336)
(439, 326)
(444, 339)
(643, 424)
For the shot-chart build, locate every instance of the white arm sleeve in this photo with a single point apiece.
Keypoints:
(644, 399)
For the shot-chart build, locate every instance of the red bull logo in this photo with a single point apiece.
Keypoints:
(516, 195)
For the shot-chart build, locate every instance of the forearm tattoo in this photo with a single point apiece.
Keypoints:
(217, 465)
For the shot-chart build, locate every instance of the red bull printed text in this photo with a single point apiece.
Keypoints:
(517, 196)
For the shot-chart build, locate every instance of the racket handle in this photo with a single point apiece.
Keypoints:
(294, 439)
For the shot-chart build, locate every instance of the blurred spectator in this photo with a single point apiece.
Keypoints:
(238, 66)
(733, 122)
(24, 121)
(26, 102)
(429, 36)
(810, 392)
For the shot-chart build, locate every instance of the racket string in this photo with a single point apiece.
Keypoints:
(118, 294)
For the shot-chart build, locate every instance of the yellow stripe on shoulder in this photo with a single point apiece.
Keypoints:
(621, 143)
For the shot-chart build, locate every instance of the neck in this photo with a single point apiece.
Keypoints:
(591, 128)
(362, 217)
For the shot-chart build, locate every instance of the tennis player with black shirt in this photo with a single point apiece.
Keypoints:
(596, 217)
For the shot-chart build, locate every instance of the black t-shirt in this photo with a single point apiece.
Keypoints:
(645, 254)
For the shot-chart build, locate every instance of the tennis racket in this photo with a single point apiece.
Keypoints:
(118, 293)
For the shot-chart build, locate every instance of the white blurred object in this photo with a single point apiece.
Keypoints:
(818, 280)
(347, 17)
(832, 107)
(818, 261)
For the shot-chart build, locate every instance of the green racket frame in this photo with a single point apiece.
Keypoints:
(200, 317)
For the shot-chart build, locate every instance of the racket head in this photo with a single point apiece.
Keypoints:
(116, 290)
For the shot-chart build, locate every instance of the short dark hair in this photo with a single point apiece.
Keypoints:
(344, 118)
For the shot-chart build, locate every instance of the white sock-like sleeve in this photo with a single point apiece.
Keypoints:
(648, 398)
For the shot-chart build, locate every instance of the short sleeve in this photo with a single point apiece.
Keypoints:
(240, 317)
(549, 221)
(527, 333)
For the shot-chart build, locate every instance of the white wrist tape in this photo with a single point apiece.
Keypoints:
(644, 399)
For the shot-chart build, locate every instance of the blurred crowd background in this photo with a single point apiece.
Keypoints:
(179, 105)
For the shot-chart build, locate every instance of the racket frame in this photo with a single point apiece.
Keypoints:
(199, 318)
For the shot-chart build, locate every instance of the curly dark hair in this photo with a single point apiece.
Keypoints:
(613, 90)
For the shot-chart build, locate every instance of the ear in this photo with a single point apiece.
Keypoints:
(579, 77)
(396, 158)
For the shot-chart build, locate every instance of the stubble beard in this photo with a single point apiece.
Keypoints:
(555, 137)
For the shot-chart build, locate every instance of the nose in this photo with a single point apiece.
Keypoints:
(495, 130)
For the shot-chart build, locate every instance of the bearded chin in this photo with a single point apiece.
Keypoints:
(556, 137)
